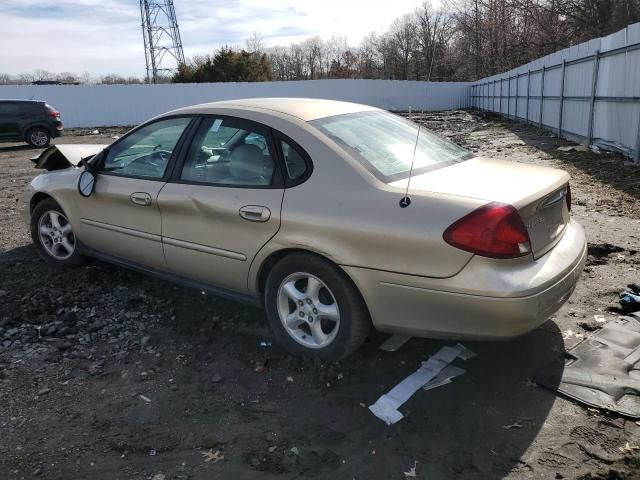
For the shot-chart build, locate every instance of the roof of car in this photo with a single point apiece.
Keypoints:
(305, 109)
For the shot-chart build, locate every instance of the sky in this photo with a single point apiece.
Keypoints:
(104, 36)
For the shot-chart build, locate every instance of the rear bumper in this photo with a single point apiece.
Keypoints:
(488, 299)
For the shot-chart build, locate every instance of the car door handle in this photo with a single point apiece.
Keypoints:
(141, 198)
(255, 213)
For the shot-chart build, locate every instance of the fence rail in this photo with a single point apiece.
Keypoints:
(589, 93)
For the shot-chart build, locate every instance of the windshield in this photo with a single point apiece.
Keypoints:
(384, 143)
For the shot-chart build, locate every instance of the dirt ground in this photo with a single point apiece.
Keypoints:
(109, 374)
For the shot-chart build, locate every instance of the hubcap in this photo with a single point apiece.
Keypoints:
(39, 138)
(56, 235)
(308, 310)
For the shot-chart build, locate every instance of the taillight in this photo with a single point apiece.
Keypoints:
(52, 112)
(567, 197)
(494, 230)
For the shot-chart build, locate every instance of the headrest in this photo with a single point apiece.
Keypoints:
(246, 161)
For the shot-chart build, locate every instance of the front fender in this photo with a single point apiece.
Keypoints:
(61, 185)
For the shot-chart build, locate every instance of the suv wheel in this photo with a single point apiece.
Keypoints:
(53, 235)
(38, 137)
(314, 308)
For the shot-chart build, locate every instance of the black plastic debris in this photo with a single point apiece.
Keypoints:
(603, 370)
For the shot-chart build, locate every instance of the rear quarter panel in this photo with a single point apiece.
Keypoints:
(345, 214)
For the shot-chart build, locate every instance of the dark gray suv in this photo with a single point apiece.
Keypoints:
(31, 121)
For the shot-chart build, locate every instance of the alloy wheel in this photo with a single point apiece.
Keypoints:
(56, 235)
(308, 310)
(38, 138)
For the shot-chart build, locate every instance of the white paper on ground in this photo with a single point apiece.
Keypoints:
(386, 407)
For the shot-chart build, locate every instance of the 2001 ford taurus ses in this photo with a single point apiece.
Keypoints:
(300, 205)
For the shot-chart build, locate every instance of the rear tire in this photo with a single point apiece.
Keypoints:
(53, 235)
(314, 309)
(38, 137)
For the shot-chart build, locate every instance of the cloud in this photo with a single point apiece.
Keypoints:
(104, 36)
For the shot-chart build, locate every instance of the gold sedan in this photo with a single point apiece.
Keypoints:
(336, 217)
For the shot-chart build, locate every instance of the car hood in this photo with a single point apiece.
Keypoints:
(57, 157)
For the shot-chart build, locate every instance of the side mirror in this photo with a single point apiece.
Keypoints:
(86, 183)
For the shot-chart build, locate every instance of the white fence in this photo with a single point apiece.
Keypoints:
(109, 105)
(589, 93)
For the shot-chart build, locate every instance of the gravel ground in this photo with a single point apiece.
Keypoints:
(109, 374)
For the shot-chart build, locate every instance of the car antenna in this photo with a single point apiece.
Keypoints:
(406, 201)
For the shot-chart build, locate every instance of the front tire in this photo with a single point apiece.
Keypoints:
(53, 235)
(314, 308)
(38, 137)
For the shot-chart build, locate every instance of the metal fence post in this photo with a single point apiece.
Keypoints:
(564, 64)
(500, 105)
(528, 86)
(636, 154)
(515, 114)
(541, 97)
(594, 89)
(508, 97)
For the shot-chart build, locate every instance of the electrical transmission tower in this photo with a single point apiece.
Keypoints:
(162, 44)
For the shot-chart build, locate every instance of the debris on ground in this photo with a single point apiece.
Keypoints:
(212, 457)
(412, 471)
(568, 334)
(573, 148)
(599, 371)
(445, 377)
(512, 425)
(630, 301)
(386, 407)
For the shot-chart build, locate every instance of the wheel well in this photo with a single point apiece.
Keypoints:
(36, 199)
(275, 257)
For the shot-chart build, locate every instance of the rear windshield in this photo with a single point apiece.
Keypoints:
(384, 144)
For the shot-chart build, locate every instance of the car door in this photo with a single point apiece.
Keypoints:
(121, 218)
(223, 203)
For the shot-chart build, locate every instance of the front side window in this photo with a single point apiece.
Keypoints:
(229, 152)
(147, 151)
(384, 143)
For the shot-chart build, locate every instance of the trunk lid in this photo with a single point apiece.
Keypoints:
(538, 193)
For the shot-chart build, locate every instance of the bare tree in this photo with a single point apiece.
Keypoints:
(255, 43)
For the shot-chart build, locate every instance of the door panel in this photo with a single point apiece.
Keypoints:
(113, 222)
(122, 217)
(206, 238)
(223, 206)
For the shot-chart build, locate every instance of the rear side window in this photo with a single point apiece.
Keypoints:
(294, 160)
(8, 108)
(230, 152)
